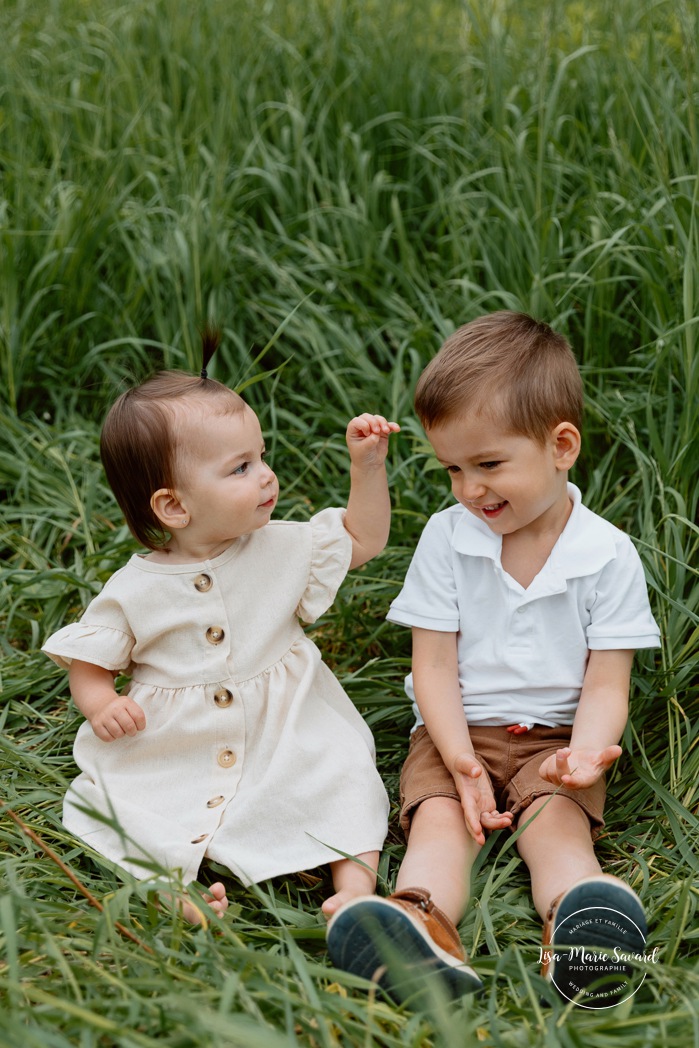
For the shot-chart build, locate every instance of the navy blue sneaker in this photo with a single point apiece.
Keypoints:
(593, 933)
(405, 944)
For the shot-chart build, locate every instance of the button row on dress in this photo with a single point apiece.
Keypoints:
(215, 801)
(226, 758)
(203, 583)
(215, 634)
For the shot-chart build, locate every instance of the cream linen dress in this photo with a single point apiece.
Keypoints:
(252, 754)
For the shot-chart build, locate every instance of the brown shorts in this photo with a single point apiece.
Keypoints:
(510, 763)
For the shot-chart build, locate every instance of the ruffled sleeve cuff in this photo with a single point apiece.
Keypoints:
(331, 554)
(100, 645)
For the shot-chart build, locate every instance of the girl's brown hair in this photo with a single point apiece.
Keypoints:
(508, 363)
(139, 443)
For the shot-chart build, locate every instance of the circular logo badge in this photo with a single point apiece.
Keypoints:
(594, 953)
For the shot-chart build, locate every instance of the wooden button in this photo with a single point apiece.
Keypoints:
(215, 634)
(226, 758)
(203, 583)
(223, 697)
(215, 801)
(198, 840)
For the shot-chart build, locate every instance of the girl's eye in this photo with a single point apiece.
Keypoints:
(240, 470)
(453, 469)
(488, 465)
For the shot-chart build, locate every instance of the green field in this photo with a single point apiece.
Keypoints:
(338, 184)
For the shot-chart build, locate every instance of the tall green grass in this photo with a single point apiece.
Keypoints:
(339, 184)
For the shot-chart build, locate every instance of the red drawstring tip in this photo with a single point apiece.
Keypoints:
(518, 729)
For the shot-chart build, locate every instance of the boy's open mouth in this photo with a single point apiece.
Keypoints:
(492, 511)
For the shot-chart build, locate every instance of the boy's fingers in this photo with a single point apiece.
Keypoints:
(466, 765)
(495, 820)
(476, 831)
(562, 766)
(610, 754)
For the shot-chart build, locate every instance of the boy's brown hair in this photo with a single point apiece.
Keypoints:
(509, 363)
(141, 448)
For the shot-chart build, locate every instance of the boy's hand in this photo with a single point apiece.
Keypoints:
(578, 769)
(121, 716)
(367, 440)
(477, 798)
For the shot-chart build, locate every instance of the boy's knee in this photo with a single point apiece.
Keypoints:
(553, 810)
(437, 811)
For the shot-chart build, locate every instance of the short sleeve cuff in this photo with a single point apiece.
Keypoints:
(403, 617)
(100, 645)
(639, 640)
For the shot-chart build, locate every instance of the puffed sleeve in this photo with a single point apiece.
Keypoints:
(428, 598)
(331, 553)
(102, 636)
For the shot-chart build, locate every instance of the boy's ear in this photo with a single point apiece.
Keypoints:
(168, 509)
(566, 440)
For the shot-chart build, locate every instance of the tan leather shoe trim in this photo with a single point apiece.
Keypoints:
(547, 935)
(418, 903)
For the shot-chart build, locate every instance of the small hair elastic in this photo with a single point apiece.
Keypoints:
(210, 341)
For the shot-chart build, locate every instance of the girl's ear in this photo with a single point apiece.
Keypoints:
(566, 441)
(167, 507)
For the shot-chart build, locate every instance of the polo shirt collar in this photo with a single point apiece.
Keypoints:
(584, 546)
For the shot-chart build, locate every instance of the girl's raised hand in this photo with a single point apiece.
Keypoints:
(367, 439)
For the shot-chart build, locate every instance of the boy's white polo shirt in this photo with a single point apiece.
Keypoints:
(523, 652)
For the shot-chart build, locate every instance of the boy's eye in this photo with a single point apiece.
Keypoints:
(240, 470)
(453, 469)
(488, 465)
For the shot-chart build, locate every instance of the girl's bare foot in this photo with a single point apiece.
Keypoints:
(215, 898)
(351, 878)
(333, 904)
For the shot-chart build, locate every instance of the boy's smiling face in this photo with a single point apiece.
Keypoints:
(511, 482)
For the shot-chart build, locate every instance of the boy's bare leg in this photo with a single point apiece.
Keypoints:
(409, 940)
(557, 848)
(351, 879)
(440, 855)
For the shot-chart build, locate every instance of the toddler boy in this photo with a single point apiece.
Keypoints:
(525, 609)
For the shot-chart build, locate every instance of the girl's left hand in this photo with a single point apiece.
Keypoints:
(367, 439)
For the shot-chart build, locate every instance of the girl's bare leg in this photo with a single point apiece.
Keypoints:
(351, 879)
